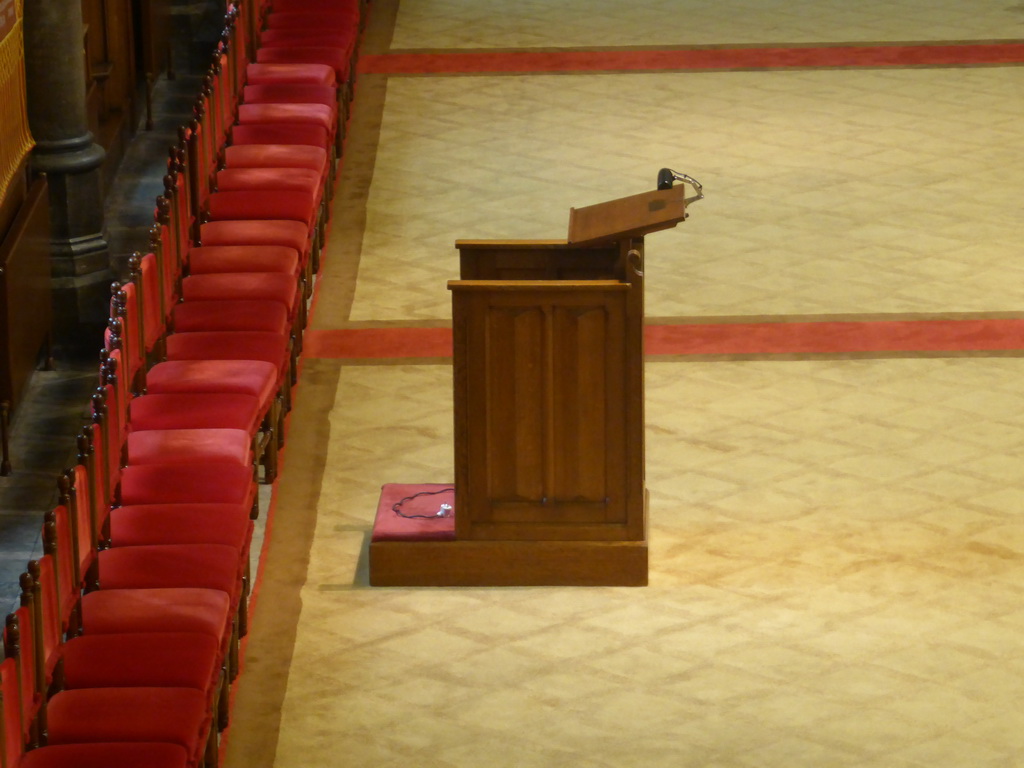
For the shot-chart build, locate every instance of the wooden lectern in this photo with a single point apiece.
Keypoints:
(549, 409)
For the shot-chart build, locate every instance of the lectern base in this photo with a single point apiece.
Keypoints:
(418, 549)
(508, 563)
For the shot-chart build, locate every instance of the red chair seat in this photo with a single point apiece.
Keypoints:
(338, 59)
(328, 16)
(173, 566)
(176, 446)
(107, 755)
(262, 73)
(174, 715)
(243, 258)
(289, 233)
(276, 156)
(280, 37)
(290, 93)
(229, 345)
(197, 523)
(261, 205)
(184, 483)
(254, 286)
(289, 114)
(143, 659)
(307, 135)
(231, 315)
(116, 611)
(348, 7)
(288, 179)
(195, 411)
(256, 378)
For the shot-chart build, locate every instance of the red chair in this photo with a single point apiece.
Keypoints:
(338, 59)
(290, 93)
(150, 659)
(299, 233)
(270, 145)
(265, 73)
(117, 611)
(313, 158)
(176, 715)
(265, 380)
(290, 113)
(239, 284)
(259, 378)
(102, 755)
(278, 181)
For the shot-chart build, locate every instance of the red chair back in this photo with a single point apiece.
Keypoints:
(45, 610)
(103, 474)
(83, 521)
(20, 695)
(57, 543)
(10, 702)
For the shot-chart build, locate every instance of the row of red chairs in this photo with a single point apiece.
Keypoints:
(126, 641)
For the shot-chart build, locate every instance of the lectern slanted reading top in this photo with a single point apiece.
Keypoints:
(549, 409)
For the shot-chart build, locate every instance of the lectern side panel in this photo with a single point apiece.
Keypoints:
(514, 392)
(544, 390)
(587, 383)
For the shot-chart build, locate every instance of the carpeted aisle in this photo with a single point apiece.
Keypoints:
(835, 415)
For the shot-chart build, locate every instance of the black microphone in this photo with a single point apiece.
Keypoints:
(665, 178)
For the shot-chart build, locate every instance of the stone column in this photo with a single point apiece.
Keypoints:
(66, 152)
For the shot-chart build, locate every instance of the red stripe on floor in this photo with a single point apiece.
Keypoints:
(700, 59)
(817, 338)
(375, 343)
(836, 337)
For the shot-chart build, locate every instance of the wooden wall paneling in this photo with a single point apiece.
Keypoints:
(26, 318)
(119, 35)
(155, 33)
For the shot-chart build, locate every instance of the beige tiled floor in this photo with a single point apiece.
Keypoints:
(590, 23)
(851, 191)
(836, 570)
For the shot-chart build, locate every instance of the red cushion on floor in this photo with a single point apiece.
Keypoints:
(243, 258)
(175, 446)
(185, 483)
(107, 755)
(229, 315)
(173, 715)
(261, 286)
(206, 611)
(164, 659)
(237, 377)
(193, 523)
(390, 526)
(315, 136)
(313, 74)
(195, 411)
(287, 232)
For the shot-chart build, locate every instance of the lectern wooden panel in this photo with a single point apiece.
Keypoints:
(541, 448)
